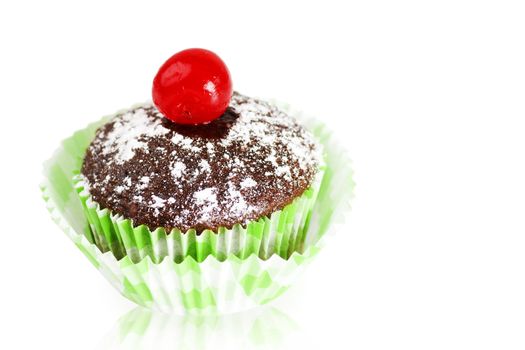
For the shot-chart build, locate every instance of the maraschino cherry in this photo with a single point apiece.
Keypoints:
(192, 87)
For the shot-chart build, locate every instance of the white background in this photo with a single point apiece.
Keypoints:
(428, 97)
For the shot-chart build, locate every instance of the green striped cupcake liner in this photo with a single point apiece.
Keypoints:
(281, 233)
(154, 272)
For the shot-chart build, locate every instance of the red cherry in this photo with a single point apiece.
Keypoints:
(192, 87)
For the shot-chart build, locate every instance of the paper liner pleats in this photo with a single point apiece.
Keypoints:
(281, 233)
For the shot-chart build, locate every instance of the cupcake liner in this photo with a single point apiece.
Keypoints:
(281, 233)
(155, 276)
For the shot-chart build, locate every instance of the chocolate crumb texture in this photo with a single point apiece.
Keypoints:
(252, 161)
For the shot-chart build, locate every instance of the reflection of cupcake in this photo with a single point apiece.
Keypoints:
(207, 199)
(247, 181)
(140, 328)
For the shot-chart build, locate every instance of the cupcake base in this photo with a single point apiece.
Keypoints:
(281, 233)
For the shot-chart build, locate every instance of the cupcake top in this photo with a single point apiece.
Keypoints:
(253, 160)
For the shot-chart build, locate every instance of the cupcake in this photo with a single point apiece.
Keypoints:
(205, 199)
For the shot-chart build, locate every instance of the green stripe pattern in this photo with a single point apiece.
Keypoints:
(185, 272)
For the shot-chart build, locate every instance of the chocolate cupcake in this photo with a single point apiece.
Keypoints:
(249, 163)
(252, 163)
(204, 200)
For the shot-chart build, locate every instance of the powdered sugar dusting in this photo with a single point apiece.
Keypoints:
(207, 200)
(239, 205)
(206, 195)
(130, 133)
(144, 168)
(177, 169)
(248, 182)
